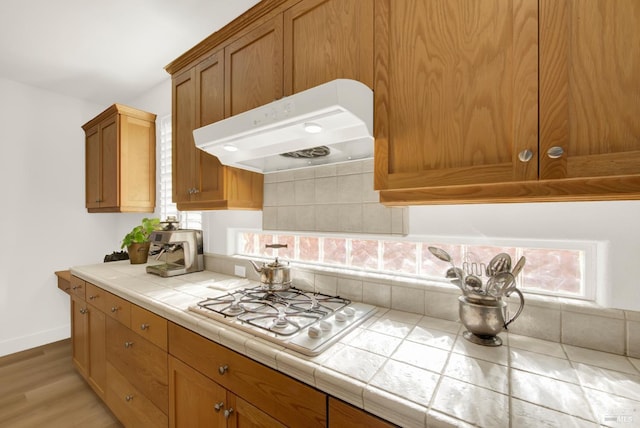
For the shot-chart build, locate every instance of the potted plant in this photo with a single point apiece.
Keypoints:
(137, 241)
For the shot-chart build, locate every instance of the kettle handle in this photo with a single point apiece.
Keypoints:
(519, 309)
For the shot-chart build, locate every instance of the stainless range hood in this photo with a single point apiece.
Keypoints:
(330, 123)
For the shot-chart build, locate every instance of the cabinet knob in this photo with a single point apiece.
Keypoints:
(525, 155)
(218, 406)
(223, 369)
(228, 412)
(144, 326)
(128, 397)
(555, 152)
(93, 297)
(128, 344)
(83, 311)
(114, 309)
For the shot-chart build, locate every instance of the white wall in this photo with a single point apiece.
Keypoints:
(45, 224)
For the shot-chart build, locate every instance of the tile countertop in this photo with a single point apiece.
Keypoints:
(413, 370)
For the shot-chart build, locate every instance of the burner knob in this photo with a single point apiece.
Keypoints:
(349, 311)
(341, 316)
(325, 326)
(314, 332)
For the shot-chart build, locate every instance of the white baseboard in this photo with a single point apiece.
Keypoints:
(27, 342)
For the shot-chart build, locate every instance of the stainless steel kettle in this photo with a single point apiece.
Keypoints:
(274, 276)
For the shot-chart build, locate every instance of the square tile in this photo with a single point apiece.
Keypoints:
(407, 381)
(407, 299)
(479, 406)
(350, 289)
(376, 294)
(440, 324)
(612, 410)
(633, 339)
(556, 368)
(377, 343)
(600, 359)
(497, 355)
(478, 372)
(432, 337)
(553, 349)
(391, 327)
(555, 394)
(535, 321)
(594, 332)
(612, 382)
(528, 415)
(423, 356)
(356, 363)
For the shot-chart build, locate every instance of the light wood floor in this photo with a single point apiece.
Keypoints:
(40, 387)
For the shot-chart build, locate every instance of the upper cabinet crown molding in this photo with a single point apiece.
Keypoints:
(120, 161)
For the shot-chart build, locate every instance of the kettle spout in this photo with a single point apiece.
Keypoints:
(256, 267)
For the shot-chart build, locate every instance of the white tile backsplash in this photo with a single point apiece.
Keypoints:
(341, 196)
(585, 329)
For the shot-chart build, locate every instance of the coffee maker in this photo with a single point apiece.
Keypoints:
(181, 250)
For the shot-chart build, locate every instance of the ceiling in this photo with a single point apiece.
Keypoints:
(103, 51)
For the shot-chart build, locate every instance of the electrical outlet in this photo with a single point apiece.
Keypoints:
(240, 271)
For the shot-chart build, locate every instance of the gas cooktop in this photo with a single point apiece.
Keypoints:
(303, 321)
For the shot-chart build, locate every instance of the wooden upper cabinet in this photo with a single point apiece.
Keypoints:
(253, 68)
(455, 92)
(589, 88)
(200, 181)
(120, 155)
(326, 40)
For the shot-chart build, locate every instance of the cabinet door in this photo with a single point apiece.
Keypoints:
(455, 92)
(194, 399)
(253, 68)
(80, 335)
(344, 415)
(209, 87)
(326, 40)
(109, 156)
(183, 123)
(589, 88)
(97, 375)
(93, 184)
(244, 415)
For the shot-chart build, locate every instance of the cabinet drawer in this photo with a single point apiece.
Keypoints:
(64, 281)
(78, 286)
(96, 296)
(129, 404)
(149, 325)
(284, 398)
(118, 308)
(139, 361)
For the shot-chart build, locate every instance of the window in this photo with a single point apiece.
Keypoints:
(558, 271)
(187, 219)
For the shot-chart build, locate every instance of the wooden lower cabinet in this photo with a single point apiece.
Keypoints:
(197, 401)
(259, 391)
(154, 373)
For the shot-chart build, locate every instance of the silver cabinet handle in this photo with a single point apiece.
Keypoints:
(93, 297)
(218, 406)
(555, 152)
(525, 156)
(83, 311)
(114, 308)
(228, 413)
(128, 397)
(223, 369)
(144, 326)
(128, 344)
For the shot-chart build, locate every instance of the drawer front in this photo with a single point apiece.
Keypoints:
(140, 361)
(64, 281)
(77, 286)
(96, 296)
(131, 407)
(149, 325)
(284, 398)
(118, 308)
